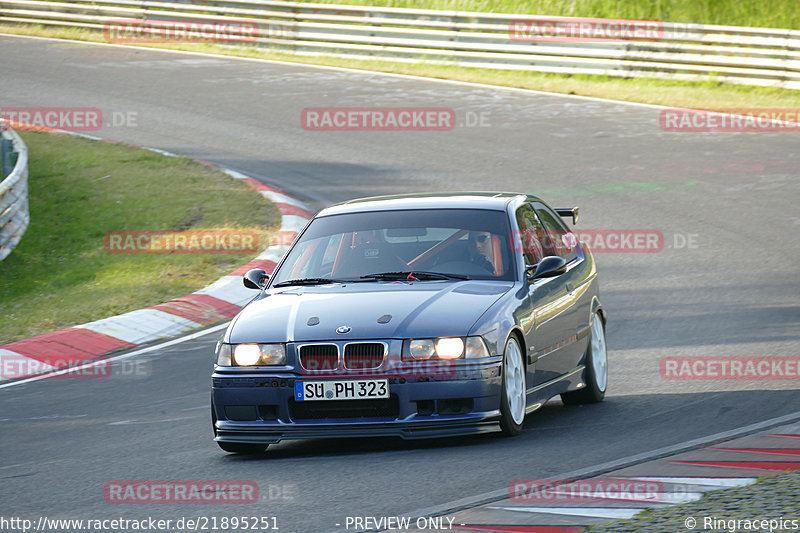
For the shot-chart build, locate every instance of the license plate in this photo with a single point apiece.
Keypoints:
(341, 390)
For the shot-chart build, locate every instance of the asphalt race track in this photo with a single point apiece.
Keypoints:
(734, 292)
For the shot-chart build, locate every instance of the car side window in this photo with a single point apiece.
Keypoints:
(559, 240)
(530, 232)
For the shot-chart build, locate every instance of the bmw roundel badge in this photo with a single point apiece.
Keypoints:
(341, 330)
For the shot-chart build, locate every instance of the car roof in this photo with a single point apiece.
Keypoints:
(496, 201)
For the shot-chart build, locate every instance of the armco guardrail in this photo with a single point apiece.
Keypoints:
(14, 215)
(742, 55)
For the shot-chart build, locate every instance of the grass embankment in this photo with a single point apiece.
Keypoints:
(764, 14)
(61, 275)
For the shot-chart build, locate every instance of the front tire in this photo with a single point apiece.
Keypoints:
(514, 393)
(596, 372)
(244, 449)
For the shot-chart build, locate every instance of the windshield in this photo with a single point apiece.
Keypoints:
(462, 243)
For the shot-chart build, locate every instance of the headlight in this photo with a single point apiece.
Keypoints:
(254, 354)
(273, 354)
(449, 348)
(223, 354)
(246, 354)
(444, 348)
(476, 348)
(421, 349)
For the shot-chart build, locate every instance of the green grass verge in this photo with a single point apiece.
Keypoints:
(706, 94)
(764, 13)
(60, 274)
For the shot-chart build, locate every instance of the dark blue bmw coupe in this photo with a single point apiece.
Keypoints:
(413, 316)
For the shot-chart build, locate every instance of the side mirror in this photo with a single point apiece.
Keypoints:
(255, 279)
(569, 212)
(549, 267)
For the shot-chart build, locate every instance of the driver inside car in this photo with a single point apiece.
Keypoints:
(480, 249)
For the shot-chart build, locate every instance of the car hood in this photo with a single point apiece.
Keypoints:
(372, 310)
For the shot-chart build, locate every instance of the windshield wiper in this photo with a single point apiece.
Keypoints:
(307, 281)
(408, 274)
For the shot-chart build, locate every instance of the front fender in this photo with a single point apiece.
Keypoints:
(497, 323)
(597, 308)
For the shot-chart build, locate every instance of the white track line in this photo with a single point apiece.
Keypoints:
(713, 482)
(593, 512)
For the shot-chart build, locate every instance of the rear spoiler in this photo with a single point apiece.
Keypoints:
(569, 212)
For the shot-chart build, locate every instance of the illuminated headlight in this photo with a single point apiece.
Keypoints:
(449, 347)
(257, 354)
(444, 348)
(246, 354)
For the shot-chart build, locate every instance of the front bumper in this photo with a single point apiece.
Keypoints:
(260, 408)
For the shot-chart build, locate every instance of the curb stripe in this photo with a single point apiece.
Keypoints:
(67, 345)
(273, 253)
(142, 325)
(111, 358)
(713, 482)
(290, 209)
(257, 185)
(293, 223)
(200, 308)
(12, 365)
(265, 264)
(774, 451)
(280, 198)
(753, 465)
(284, 238)
(230, 289)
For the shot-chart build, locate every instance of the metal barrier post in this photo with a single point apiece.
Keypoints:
(7, 149)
